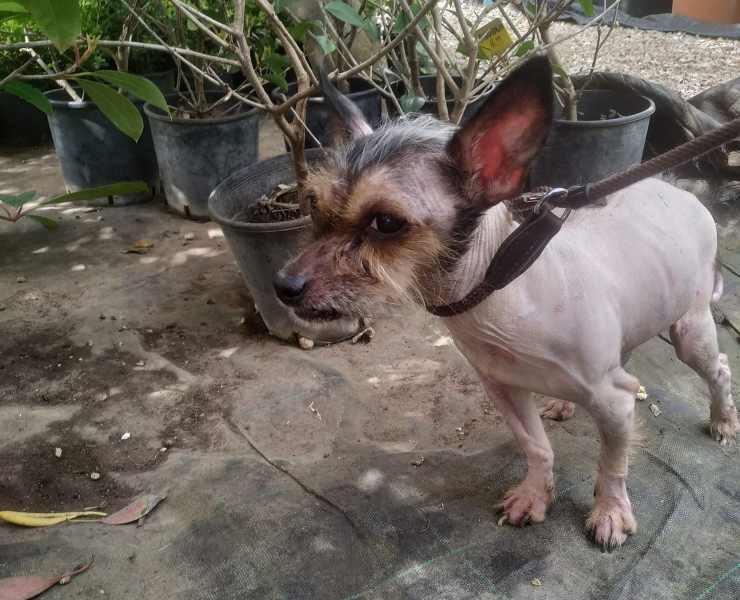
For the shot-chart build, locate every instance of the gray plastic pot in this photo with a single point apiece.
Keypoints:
(584, 151)
(261, 249)
(195, 155)
(93, 152)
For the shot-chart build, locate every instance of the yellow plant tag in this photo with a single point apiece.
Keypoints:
(494, 40)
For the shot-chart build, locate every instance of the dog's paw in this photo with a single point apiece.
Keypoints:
(527, 502)
(724, 426)
(558, 410)
(610, 522)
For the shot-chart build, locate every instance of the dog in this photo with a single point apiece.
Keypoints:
(413, 211)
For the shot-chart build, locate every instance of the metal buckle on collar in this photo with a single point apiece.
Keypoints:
(542, 200)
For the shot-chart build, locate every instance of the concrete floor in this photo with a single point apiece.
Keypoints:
(289, 473)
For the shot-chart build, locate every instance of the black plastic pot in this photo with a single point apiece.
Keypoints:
(583, 151)
(365, 96)
(643, 8)
(92, 152)
(261, 249)
(21, 124)
(429, 85)
(164, 80)
(195, 155)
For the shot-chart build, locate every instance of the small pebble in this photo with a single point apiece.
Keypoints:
(536, 582)
(189, 236)
(94, 475)
(20, 280)
(305, 343)
(140, 363)
(58, 452)
(655, 410)
(126, 435)
(210, 301)
(102, 317)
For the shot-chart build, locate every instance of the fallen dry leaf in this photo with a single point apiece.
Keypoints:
(138, 509)
(25, 587)
(140, 247)
(26, 519)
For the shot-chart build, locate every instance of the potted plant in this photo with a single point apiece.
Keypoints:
(262, 223)
(212, 126)
(96, 128)
(21, 124)
(597, 132)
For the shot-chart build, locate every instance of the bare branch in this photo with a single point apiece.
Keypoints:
(17, 71)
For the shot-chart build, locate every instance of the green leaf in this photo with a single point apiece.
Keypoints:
(348, 14)
(113, 189)
(588, 7)
(45, 221)
(29, 93)
(326, 45)
(524, 47)
(135, 85)
(402, 20)
(411, 103)
(298, 30)
(17, 200)
(277, 63)
(59, 20)
(116, 107)
(278, 80)
(12, 7)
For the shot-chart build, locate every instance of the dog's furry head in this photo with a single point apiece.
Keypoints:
(394, 208)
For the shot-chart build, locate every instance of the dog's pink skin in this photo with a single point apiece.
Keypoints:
(612, 279)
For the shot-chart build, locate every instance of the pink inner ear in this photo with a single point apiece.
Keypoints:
(504, 148)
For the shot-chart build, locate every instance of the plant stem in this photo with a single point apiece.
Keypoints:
(570, 99)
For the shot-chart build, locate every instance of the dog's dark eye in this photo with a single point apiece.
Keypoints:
(310, 199)
(387, 224)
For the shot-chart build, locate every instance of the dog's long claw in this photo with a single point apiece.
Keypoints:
(502, 520)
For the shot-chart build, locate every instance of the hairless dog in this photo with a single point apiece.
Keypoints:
(413, 211)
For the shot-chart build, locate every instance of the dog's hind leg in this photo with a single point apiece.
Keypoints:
(695, 338)
(529, 500)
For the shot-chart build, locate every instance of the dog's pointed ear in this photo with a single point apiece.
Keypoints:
(494, 150)
(346, 120)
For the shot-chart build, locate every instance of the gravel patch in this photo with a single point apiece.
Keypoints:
(682, 62)
(685, 63)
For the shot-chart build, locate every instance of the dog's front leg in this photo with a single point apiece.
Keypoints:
(612, 406)
(529, 500)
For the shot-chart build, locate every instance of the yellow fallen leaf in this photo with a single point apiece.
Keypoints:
(140, 247)
(27, 519)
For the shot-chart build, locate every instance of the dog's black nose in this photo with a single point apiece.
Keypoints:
(289, 288)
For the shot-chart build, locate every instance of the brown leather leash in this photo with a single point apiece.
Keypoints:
(525, 244)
